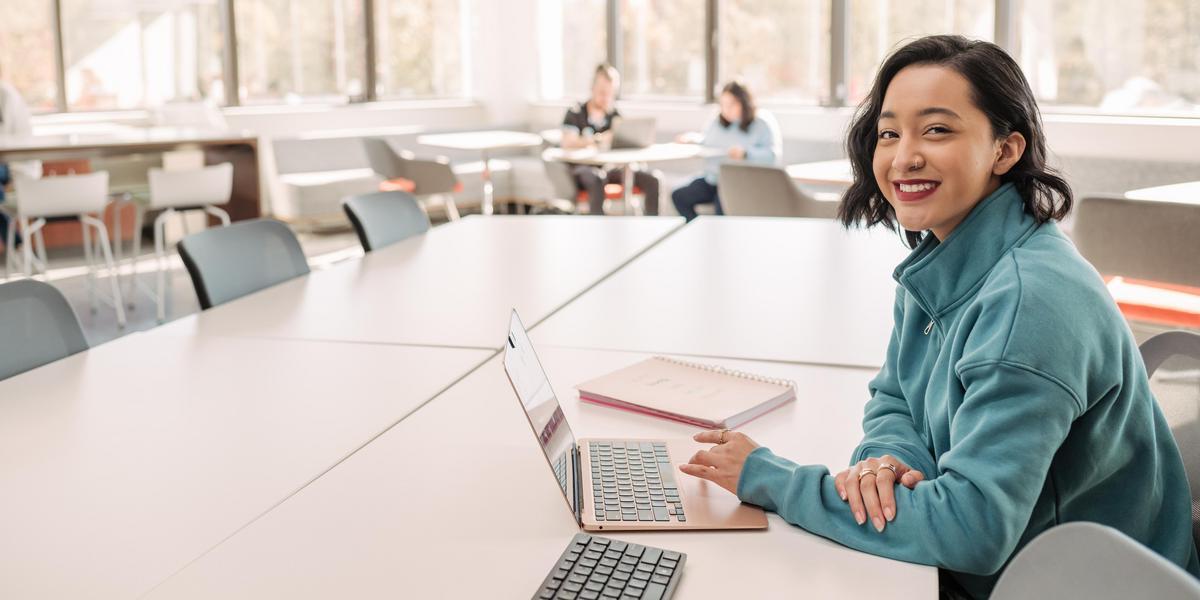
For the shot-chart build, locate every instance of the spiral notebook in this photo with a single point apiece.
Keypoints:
(703, 395)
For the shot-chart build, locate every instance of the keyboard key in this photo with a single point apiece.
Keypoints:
(632, 592)
(651, 555)
(611, 592)
(664, 571)
(593, 586)
(636, 583)
(620, 575)
(546, 594)
(654, 591)
(612, 515)
(589, 595)
(571, 586)
(660, 514)
(645, 515)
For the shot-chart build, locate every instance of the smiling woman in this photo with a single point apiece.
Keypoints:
(1013, 397)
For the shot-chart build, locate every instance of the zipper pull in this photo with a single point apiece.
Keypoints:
(929, 327)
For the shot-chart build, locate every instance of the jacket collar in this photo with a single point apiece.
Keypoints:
(938, 275)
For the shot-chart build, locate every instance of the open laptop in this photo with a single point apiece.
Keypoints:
(617, 484)
(633, 132)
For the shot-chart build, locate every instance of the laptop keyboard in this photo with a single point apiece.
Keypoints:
(594, 567)
(634, 482)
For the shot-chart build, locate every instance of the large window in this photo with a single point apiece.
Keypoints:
(298, 50)
(878, 26)
(1122, 56)
(779, 48)
(663, 48)
(572, 40)
(420, 53)
(131, 53)
(27, 52)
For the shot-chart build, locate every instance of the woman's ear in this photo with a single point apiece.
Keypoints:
(1010, 151)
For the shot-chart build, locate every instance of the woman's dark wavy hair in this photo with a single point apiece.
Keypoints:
(739, 91)
(999, 89)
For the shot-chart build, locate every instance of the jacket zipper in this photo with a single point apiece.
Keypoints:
(929, 327)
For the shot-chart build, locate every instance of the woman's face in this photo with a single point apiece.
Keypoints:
(936, 155)
(731, 109)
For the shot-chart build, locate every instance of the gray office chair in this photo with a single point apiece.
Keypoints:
(751, 190)
(1140, 239)
(230, 262)
(431, 178)
(1173, 365)
(37, 326)
(384, 218)
(1089, 560)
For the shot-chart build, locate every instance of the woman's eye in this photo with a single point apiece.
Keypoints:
(937, 129)
(888, 134)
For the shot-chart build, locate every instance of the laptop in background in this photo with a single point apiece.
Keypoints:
(636, 132)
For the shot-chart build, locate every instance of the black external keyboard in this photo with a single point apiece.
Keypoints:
(594, 567)
(634, 481)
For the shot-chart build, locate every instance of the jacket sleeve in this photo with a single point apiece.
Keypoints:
(767, 145)
(888, 424)
(970, 516)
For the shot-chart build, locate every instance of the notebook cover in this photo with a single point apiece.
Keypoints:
(694, 394)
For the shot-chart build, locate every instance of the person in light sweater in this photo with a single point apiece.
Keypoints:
(740, 132)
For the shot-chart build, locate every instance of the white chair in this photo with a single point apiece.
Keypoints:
(1089, 560)
(79, 196)
(173, 192)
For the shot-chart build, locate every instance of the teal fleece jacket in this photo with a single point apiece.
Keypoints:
(1012, 382)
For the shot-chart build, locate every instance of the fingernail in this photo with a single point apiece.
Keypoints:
(878, 524)
(843, 495)
(889, 513)
(858, 516)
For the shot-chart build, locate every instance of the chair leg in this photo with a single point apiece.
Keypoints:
(139, 217)
(43, 261)
(451, 207)
(160, 255)
(218, 213)
(27, 247)
(90, 258)
(114, 286)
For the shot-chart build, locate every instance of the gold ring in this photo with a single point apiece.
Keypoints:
(865, 472)
(889, 467)
(722, 440)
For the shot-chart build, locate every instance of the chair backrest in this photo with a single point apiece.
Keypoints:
(1140, 238)
(37, 326)
(1176, 386)
(1089, 560)
(226, 263)
(384, 160)
(754, 190)
(191, 187)
(61, 195)
(384, 218)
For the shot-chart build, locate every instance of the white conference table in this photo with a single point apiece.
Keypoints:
(1183, 193)
(120, 465)
(452, 286)
(458, 501)
(796, 290)
(483, 142)
(835, 172)
(627, 159)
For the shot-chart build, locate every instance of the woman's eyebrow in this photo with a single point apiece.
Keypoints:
(932, 110)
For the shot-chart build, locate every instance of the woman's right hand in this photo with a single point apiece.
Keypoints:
(689, 137)
(872, 494)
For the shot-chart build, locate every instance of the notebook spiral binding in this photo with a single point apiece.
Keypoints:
(729, 372)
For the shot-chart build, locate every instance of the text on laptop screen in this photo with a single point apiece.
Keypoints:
(545, 415)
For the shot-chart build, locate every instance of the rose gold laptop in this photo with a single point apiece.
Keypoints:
(618, 484)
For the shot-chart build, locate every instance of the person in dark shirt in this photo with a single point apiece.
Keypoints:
(589, 124)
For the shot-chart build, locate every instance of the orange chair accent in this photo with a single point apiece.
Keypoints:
(398, 184)
(1156, 302)
(612, 191)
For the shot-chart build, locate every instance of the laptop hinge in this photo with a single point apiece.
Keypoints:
(576, 454)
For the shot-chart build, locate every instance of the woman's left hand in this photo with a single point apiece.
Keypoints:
(737, 153)
(722, 464)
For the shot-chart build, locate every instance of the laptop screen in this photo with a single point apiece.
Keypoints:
(533, 389)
